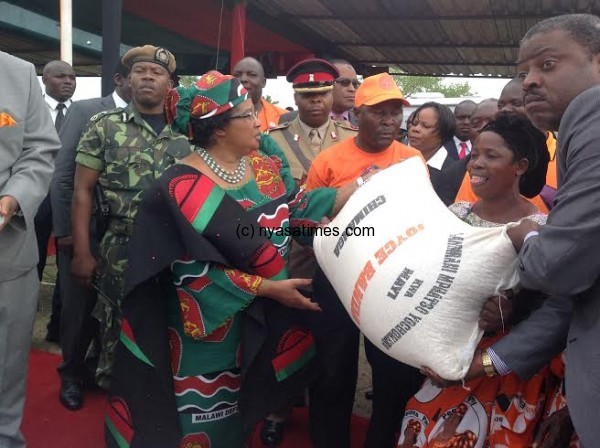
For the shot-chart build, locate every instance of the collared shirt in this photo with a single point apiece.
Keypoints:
(321, 130)
(119, 102)
(438, 159)
(344, 116)
(52, 103)
(458, 141)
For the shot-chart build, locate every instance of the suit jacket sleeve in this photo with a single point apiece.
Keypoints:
(32, 171)
(535, 341)
(61, 189)
(563, 259)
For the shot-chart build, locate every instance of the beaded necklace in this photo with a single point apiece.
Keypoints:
(232, 177)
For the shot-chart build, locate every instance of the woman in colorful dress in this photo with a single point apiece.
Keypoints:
(236, 345)
(509, 159)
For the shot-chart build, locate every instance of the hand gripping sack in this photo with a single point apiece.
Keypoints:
(416, 285)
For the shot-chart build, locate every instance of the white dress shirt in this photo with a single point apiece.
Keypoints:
(438, 159)
(52, 103)
(119, 102)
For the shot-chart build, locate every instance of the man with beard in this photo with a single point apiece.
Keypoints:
(379, 108)
(251, 74)
(124, 150)
(460, 146)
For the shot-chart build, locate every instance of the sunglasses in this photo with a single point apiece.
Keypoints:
(345, 82)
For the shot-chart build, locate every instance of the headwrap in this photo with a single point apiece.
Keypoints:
(528, 142)
(213, 94)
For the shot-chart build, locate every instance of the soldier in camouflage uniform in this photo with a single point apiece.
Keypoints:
(124, 150)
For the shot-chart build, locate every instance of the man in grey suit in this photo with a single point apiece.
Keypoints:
(559, 62)
(28, 146)
(77, 327)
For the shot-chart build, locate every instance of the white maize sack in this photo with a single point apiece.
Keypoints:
(416, 287)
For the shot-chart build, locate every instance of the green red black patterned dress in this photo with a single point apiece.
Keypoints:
(212, 343)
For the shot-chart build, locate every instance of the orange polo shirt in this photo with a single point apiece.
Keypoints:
(465, 193)
(269, 115)
(343, 163)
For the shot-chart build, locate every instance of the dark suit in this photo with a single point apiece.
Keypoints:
(43, 232)
(446, 182)
(564, 259)
(77, 327)
(452, 149)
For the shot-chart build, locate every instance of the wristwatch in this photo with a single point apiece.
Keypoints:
(488, 365)
(360, 181)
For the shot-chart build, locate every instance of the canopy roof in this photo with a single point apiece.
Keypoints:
(419, 37)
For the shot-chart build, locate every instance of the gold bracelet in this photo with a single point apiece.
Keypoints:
(488, 365)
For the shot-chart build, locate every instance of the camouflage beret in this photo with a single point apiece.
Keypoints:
(150, 53)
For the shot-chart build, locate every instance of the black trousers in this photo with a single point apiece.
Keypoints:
(394, 383)
(43, 230)
(331, 396)
(77, 327)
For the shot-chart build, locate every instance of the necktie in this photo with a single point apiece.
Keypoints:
(463, 150)
(315, 141)
(59, 116)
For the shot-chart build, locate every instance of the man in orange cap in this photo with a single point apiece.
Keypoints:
(379, 109)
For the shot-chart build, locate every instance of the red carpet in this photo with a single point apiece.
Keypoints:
(46, 424)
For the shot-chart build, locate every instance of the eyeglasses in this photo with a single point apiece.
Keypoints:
(249, 115)
(345, 82)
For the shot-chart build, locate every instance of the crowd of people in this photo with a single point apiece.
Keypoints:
(200, 336)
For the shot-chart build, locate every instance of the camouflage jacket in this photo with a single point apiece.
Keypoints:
(129, 156)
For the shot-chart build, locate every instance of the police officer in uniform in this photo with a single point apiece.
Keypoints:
(124, 150)
(302, 139)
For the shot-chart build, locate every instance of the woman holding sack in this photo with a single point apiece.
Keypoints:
(509, 159)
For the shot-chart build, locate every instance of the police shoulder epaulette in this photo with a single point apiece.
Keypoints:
(105, 113)
(278, 126)
(346, 125)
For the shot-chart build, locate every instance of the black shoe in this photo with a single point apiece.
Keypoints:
(271, 433)
(71, 394)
